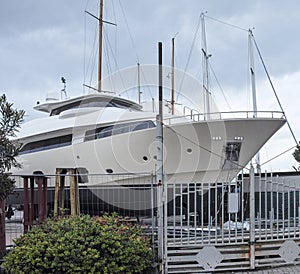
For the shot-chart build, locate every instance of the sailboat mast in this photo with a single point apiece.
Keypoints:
(100, 46)
(205, 70)
(253, 87)
(252, 74)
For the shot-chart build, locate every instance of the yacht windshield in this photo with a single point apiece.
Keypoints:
(92, 102)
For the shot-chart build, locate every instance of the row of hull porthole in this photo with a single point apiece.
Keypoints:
(145, 158)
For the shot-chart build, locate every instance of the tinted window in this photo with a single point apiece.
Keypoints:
(47, 144)
(103, 132)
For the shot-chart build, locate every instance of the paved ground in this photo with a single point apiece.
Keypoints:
(280, 270)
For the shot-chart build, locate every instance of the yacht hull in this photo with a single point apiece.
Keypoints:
(204, 151)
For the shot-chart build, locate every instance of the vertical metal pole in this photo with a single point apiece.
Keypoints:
(152, 212)
(159, 175)
(294, 211)
(188, 212)
(272, 204)
(277, 208)
(174, 211)
(283, 209)
(222, 220)
(139, 83)
(252, 219)
(26, 204)
(195, 212)
(172, 97)
(242, 190)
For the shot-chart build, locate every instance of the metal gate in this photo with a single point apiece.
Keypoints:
(250, 223)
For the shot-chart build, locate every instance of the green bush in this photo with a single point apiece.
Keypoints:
(81, 244)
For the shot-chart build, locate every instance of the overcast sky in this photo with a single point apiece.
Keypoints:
(41, 41)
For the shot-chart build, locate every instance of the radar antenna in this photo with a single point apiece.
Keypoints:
(64, 90)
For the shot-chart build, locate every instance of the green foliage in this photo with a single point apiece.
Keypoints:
(81, 244)
(10, 121)
(296, 154)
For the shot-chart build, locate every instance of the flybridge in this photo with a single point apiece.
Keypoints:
(90, 100)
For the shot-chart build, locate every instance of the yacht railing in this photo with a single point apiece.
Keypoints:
(195, 116)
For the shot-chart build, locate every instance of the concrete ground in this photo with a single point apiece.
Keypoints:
(278, 270)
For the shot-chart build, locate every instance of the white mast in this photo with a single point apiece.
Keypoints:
(253, 87)
(100, 46)
(205, 70)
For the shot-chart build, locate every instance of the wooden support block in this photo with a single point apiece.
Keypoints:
(72, 193)
(31, 203)
(26, 205)
(56, 192)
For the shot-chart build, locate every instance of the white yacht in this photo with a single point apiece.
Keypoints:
(110, 135)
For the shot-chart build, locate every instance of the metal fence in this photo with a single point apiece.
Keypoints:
(249, 223)
(131, 195)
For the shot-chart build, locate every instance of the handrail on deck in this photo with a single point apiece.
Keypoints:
(196, 116)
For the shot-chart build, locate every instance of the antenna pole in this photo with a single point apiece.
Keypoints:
(139, 84)
(172, 100)
(100, 46)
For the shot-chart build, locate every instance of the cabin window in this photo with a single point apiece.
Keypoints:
(51, 143)
(103, 132)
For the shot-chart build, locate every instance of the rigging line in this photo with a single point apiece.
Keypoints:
(84, 47)
(115, 62)
(190, 53)
(278, 155)
(145, 81)
(219, 85)
(128, 29)
(206, 149)
(273, 88)
(225, 23)
(92, 59)
(115, 20)
(107, 56)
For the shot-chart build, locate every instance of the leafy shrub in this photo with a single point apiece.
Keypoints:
(81, 244)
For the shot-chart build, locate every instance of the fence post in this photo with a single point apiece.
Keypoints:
(56, 192)
(26, 205)
(252, 218)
